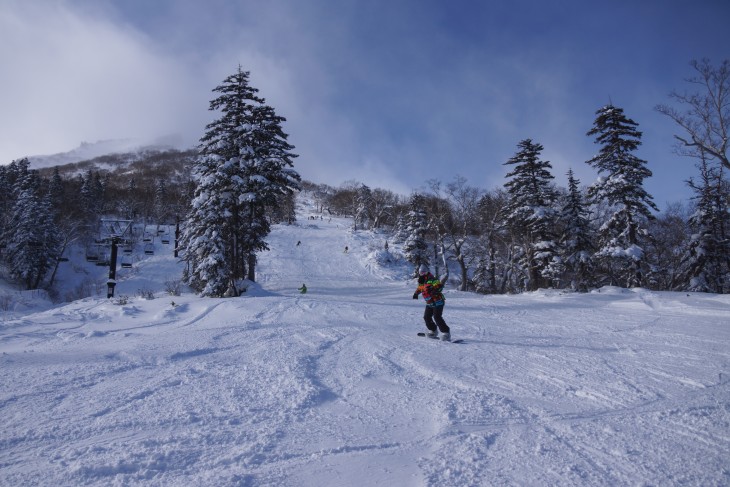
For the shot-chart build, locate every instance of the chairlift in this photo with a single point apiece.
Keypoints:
(149, 249)
(147, 237)
(127, 249)
(126, 261)
(103, 257)
(166, 239)
(92, 255)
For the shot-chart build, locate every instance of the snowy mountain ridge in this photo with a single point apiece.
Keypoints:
(91, 150)
(332, 387)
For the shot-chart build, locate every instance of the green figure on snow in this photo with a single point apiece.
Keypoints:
(303, 289)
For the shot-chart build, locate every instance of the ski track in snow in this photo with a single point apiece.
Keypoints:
(332, 388)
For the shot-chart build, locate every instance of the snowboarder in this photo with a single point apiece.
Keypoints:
(431, 287)
(299, 242)
(303, 289)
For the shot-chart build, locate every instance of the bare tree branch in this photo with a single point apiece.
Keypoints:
(706, 120)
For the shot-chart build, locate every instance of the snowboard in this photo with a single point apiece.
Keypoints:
(458, 340)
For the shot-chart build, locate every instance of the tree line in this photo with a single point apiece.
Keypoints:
(532, 233)
(529, 233)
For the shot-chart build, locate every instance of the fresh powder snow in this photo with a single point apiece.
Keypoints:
(334, 388)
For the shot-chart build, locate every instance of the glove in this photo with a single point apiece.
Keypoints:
(415, 295)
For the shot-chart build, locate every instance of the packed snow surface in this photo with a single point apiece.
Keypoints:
(334, 388)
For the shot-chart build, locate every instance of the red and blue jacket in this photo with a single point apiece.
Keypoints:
(430, 288)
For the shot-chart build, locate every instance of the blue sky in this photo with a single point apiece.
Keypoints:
(390, 93)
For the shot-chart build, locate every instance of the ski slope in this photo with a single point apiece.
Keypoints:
(333, 388)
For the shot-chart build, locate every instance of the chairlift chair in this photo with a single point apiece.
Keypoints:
(92, 255)
(103, 253)
(126, 261)
(149, 249)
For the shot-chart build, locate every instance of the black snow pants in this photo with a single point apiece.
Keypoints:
(433, 313)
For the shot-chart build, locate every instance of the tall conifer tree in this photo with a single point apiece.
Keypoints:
(708, 257)
(620, 186)
(416, 246)
(33, 240)
(363, 207)
(530, 211)
(245, 163)
(575, 242)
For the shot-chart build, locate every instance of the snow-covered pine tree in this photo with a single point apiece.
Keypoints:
(576, 246)
(530, 212)
(17, 170)
(245, 163)
(708, 257)
(481, 278)
(11, 174)
(268, 173)
(6, 203)
(401, 228)
(89, 198)
(56, 190)
(32, 239)
(363, 207)
(620, 247)
(415, 247)
(160, 200)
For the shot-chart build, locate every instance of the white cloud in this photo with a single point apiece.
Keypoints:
(391, 97)
(70, 77)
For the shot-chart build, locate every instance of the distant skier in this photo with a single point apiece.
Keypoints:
(431, 287)
(346, 249)
(303, 289)
(299, 242)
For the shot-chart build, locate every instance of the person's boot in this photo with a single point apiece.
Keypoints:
(446, 337)
(432, 334)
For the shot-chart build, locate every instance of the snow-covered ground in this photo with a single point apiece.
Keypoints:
(334, 388)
